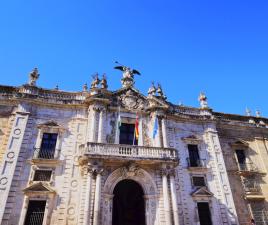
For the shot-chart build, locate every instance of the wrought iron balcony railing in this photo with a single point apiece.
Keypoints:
(198, 163)
(252, 187)
(128, 151)
(35, 218)
(247, 167)
(41, 153)
(260, 217)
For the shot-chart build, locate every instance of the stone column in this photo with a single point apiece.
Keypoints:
(101, 127)
(97, 200)
(89, 174)
(92, 124)
(164, 132)
(24, 210)
(166, 197)
(174, 198)
(10, 158)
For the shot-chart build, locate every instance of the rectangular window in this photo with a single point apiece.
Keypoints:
(204, 213)
(42, 175)
(194, 159)
(35, 213)
(127, 134)
(241, 156)
(198, 181)
(48, 145)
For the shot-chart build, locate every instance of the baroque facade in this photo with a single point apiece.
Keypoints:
(73, 158)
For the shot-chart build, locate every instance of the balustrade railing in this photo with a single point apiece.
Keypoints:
(196, 163)
(128, 151)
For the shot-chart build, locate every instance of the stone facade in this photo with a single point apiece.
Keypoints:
(89, 162)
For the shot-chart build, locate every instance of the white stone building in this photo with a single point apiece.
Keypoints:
(67, 162)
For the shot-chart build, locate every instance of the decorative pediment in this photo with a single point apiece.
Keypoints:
(192, 139)
(39, 187)
(202, 192)
(239, 143)
(50, 123)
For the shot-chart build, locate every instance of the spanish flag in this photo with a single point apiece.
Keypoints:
(137, 127)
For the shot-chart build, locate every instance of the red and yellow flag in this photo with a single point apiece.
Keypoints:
(137, 127)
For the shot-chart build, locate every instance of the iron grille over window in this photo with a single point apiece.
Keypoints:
(35, 213)
(198, 181)
(42, 175)
(127, 134)
(48, 146)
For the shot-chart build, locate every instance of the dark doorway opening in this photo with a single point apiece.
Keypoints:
(128, 204)
(204, 213)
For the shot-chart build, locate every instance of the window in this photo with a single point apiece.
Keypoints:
(241, 156)
(127, 134)
(204, 213)
(259, 213)
(35, 213)
(194, 159)
(42, 175)
(48, 145)
(198, 181)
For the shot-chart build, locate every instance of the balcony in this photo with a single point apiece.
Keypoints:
(252, 190)
(247, 169)
(197, 164)
(50, 155)
(115, 152)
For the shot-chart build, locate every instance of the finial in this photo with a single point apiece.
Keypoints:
(160, 92)
(203, 100)
(57, 88)
(33, 76)
(152, 90)
(248, 112)
(103, 82)
(96, 81)
(258, 113)
(85, 87)
(180, 103)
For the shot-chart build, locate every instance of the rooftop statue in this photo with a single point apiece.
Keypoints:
(128, 74)
(33, 76)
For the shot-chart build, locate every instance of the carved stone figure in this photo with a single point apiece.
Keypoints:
(128, 75)
(33, 77)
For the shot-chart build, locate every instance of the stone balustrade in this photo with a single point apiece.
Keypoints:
(129, 151)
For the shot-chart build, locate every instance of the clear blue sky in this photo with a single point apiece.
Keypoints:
(216, 46)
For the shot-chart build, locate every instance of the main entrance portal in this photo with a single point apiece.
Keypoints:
(128, 204)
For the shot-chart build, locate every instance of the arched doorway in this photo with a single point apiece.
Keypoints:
(128, 204)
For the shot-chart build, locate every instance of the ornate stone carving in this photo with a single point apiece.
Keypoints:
(130, 170)
(203, 101)
(96, 81)
(131, 101)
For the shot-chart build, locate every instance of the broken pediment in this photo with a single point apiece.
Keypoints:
(202, 192)
(50, 123)
(38, 187)
(192, 139)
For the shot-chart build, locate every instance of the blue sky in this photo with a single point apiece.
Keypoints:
(216, 46)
